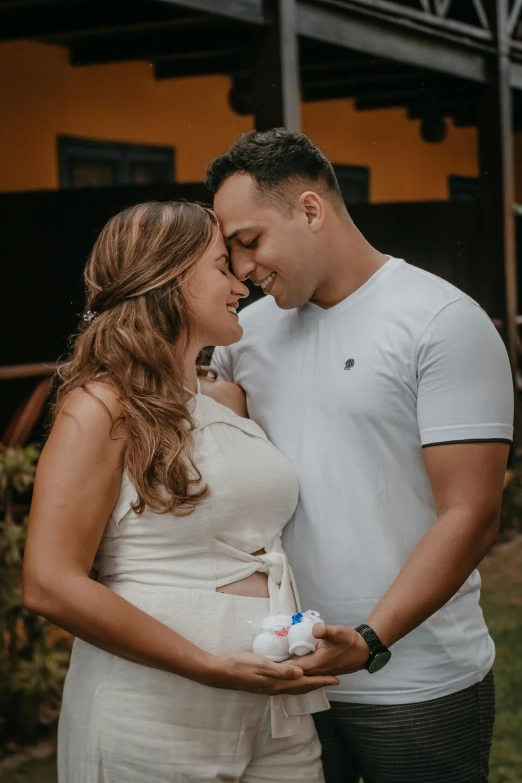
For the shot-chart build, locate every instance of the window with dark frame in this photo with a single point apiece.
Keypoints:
(354, 183)
(85, 163)
(463, 188)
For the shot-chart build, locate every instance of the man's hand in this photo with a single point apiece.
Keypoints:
(340, 650)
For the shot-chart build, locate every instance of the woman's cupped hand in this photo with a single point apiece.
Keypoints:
(248, 671)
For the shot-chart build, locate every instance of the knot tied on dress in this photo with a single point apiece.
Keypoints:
(282, 591)
(273, 565)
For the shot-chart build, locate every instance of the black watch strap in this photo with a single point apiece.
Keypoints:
(379, 653)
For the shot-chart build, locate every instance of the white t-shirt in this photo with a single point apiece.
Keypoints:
(351, 395)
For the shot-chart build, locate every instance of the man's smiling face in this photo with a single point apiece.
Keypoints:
(270, 245)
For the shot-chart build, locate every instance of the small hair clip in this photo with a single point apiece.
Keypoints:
(89, 316)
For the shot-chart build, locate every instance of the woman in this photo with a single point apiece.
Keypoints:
(178, 502)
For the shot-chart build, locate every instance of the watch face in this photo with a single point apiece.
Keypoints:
(380, 660)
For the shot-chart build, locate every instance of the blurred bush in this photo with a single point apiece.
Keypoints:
(511, 516)
(34, 654)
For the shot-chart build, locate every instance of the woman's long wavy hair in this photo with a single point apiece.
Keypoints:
(136, 343)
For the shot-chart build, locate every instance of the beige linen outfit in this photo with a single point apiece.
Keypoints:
(122, 722)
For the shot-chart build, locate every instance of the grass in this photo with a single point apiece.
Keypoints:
(32, 772)
(502, 605)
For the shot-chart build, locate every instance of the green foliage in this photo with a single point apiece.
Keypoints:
(33, 653)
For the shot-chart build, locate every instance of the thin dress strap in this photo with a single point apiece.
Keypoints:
(198, 388)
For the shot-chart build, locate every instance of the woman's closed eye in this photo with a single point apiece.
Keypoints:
(224, 266)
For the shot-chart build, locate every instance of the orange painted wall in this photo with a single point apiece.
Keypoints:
(43, 96)
(403, 167)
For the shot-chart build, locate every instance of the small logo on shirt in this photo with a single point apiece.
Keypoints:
(349, 364)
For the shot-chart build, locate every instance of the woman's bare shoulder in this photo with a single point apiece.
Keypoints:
(93, 396)
(229, 394)
(95, 406)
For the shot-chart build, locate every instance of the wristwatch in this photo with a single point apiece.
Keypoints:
(379, 653)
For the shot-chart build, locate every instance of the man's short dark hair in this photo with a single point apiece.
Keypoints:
(277, 160)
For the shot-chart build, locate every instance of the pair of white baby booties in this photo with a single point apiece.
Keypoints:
(285, 635)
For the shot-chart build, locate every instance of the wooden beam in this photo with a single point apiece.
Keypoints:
(390, 99)
(425, 17)
(514, 16)
(206, 63)
(30, 5)
(496, 158)
(450, 106)
(515, 75)
(95, 20)
(390, 77)
(385, 40)
(330, 65)
(277, 95)
(464, 119)
(155, 45)
(240, 10)
(379, 92)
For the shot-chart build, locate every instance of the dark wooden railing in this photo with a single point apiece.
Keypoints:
(29, 412)
(35, 370)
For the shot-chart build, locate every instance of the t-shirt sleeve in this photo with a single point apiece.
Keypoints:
(222, 363)
(465, 388)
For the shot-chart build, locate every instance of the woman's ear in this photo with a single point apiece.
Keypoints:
(312, 207)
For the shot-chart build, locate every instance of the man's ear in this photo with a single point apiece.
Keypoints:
(312, 206)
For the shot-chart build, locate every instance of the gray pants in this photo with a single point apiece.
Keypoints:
(445, 740)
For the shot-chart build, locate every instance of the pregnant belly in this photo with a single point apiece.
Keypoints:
(253, 586)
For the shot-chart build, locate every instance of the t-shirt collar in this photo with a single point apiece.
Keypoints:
(375, 280)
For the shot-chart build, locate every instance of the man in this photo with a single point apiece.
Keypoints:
(390, 392)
